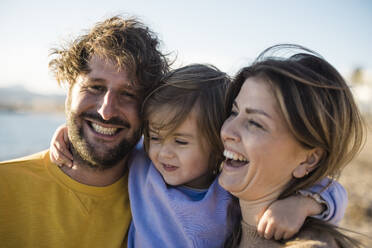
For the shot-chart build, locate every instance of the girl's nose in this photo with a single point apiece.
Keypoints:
(166, 151)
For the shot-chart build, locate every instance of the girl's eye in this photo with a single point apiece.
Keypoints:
(154, 138)
(181, 142)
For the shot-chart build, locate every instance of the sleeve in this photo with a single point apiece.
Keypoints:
(334, 197)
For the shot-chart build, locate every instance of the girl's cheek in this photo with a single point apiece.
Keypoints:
(152, 150)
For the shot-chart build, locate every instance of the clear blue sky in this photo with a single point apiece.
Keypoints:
(228, 34)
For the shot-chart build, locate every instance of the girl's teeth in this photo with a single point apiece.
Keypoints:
(104, 130)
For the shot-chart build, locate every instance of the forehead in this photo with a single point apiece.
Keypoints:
(255, 92)
(167, 119)
(258, 94)
(107, 71)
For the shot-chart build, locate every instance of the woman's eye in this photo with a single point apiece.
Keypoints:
(233, 113)
(255, 124)
(181, 142)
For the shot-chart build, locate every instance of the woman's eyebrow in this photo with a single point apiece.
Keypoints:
(257, 111)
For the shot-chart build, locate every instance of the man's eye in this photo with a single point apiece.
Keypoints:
(96, 88)
(128, 94)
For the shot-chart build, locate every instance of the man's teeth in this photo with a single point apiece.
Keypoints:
(234, 156)
(104, 130)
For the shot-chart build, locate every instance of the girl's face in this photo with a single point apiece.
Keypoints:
(180, 156)
(261, 153)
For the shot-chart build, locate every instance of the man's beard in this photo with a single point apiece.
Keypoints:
(91, 154)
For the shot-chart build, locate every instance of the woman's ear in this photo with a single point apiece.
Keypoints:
(309, 164)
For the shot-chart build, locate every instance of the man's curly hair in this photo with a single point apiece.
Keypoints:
(127, 42)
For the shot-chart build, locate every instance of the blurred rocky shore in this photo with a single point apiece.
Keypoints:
(18, 99)
(357, 179)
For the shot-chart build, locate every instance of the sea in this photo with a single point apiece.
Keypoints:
(24, 133)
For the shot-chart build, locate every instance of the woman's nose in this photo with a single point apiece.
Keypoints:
(229, 131)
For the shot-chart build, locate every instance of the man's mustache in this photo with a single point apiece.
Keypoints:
(112, 121)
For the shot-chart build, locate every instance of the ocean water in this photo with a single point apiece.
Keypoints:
(26, 133)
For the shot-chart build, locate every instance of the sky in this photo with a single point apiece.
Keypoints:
(228, 34)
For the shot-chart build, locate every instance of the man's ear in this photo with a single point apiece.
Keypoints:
(309, 164)
(68, 96)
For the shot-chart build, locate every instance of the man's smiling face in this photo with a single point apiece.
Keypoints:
(103, 114)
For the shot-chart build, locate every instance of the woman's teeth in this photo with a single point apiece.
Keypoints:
(104, 130)
(234, 156)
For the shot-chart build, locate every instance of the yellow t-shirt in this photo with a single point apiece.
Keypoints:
(40, 206)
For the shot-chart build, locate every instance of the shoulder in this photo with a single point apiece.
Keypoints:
(36, 159)
(250, 238)
(18, 171)
(139, 156)
(312, 238)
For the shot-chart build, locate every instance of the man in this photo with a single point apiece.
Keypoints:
(108, 71)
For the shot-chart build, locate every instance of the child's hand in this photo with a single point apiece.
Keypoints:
(59, 151)
(285, 217)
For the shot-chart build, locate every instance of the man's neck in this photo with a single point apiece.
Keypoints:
(95, 177)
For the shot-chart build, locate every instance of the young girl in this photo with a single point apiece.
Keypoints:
(175, 198)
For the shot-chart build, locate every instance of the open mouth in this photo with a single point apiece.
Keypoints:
(169, 167)
(107, 131)
(234, 159)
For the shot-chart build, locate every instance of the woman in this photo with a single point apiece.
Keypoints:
(292, 122)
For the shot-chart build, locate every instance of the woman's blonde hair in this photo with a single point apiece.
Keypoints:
(317, 106)
(319, 110)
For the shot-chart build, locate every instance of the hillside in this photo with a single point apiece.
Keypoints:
(18, 98)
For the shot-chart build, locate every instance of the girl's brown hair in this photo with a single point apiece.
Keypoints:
(196, 86)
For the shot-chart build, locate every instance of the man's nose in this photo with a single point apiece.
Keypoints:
(108, 109)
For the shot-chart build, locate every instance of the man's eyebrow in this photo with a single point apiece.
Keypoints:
(96, 80)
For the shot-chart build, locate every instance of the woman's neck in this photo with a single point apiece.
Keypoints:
(253, 209)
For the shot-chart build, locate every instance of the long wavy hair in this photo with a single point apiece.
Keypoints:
(318, 107)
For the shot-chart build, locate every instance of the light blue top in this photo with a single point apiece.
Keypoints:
(166, 216)
(335, 197)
